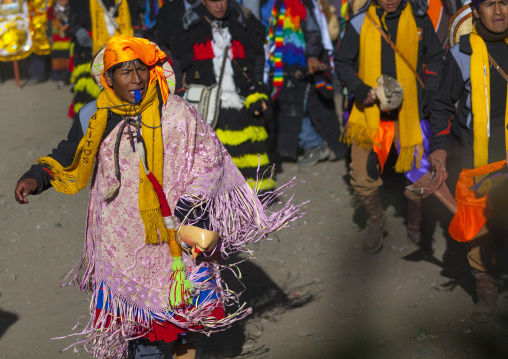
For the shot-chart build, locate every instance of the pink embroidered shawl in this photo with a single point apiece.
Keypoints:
(135, 275)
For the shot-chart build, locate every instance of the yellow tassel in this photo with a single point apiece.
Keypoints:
(153, 223)
(360, 134)
(181, 288)
(419, 154)
(61, 179)
(405, 160)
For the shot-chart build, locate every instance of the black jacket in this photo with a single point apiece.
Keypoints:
(196, 34)
(456, 86)
(169, 23)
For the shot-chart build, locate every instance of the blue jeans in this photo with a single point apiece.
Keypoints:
(37, 68)
(308, 137)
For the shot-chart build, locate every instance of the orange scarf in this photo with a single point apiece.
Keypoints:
(125, 48)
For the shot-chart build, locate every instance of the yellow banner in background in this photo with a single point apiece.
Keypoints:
(23, 27)
(37, 10)
(15, 36)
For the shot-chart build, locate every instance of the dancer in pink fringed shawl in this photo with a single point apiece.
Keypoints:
(161, 182)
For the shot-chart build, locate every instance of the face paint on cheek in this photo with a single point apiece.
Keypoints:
(137, 96)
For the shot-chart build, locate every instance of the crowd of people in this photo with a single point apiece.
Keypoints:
(272, 106)
(266, 75)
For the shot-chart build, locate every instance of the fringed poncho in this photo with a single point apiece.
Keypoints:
(130, 278)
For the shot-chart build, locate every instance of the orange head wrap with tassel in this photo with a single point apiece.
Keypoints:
(124, 48)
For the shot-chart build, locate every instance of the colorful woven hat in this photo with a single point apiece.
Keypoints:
(98, 66)
(461, 23)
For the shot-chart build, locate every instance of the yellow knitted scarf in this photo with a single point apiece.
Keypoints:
(75, 177)
(100, 35)
(480, 103)
(363, 124)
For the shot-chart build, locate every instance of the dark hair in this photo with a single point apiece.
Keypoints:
(121, 65)
(475, 4)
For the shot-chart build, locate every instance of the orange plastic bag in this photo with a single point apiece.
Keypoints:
(472, 212)
(382, 143)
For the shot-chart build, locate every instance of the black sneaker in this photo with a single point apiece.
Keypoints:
(311, 156)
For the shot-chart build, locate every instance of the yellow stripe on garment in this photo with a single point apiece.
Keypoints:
(235, 138)
(78, 105)
(253, 98)
(80, 70)
(87, 85)
(61, 45)
(264, 184)
(251, 160)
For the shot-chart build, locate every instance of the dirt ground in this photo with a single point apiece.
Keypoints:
(314, 292)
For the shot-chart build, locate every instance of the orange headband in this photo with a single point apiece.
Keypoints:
(125, 48)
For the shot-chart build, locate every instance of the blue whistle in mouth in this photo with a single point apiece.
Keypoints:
(137, 96)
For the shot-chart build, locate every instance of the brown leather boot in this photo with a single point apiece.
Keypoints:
(185, 351)
(414, 220)
(487, 293)
(373, 239)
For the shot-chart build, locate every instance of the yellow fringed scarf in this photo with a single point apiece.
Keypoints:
(480, 103)
(363, 124)
(100, 35)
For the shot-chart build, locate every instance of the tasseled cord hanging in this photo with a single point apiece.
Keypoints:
(181, 288)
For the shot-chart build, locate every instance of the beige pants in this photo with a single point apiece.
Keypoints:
(361, 182)
(482, 252)
(484, 249)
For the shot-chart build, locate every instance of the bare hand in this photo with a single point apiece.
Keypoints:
(24, 188)
(263, 107)
(371, 98)
(438, 156)
(313, 64)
